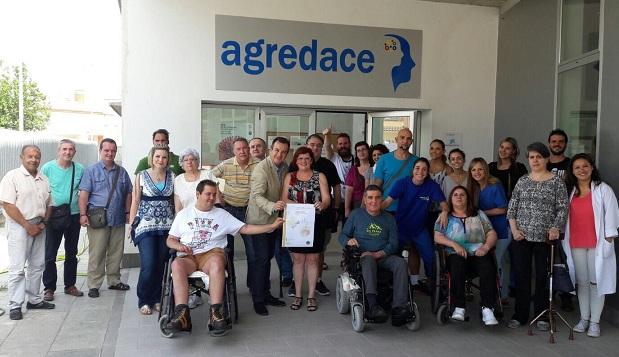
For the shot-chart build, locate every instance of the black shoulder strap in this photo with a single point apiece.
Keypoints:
(390, 181)
(71, 183)
(109, 197)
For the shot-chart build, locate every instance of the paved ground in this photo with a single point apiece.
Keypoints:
(112, 326)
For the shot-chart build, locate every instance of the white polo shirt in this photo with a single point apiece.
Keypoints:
(30, 194)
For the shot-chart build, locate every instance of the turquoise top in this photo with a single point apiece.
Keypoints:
(59, 181)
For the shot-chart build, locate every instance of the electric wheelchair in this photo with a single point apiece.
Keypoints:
(350, 293)
(442, 304)
(198, 284)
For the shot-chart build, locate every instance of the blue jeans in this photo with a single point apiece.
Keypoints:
(283, 259)
(153, 256)
(501, 253)
(52, 243)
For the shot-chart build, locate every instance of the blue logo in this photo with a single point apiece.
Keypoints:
(402, 72)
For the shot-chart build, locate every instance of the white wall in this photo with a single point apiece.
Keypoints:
(169, 65)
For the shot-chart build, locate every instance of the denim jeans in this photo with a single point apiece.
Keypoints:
(153, 256)
(282, 257)
(52, 243)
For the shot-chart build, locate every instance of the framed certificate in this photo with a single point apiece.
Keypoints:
(298, 228)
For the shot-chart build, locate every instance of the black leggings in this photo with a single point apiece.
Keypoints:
(484, 267)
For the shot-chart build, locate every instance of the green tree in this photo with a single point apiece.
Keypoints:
(36, 107)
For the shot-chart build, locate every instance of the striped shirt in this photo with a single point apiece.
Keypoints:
(237, 188)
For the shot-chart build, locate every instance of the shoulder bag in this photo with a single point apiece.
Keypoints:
(97, 216)
(60, 219)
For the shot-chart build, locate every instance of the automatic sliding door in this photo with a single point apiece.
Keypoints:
(383, 128)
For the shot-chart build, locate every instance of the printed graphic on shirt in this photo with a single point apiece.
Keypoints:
(374, 230)
(203, 229)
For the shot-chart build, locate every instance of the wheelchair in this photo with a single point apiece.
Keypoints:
(198, 284)
(350, 293)
(442, 304)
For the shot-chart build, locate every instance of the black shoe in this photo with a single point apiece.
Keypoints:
(43, 305)
(219, 324)
(292, 291)
(400, 315)
(120, 286)
(286, 282)
(377, 314)
(321, 289)
(273, 301)
(93, 293)
(181, 320)
(15, 314)
(261, 309)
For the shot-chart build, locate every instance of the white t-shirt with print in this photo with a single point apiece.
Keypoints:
(203, 231)
(342, 168)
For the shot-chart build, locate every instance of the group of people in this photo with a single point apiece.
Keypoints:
(486, 216)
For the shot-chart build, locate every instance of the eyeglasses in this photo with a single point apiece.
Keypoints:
(190, 160)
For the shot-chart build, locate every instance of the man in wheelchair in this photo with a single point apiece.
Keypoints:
(199, 235)
(375, 234)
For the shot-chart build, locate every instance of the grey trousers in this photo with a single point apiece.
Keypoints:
(397, 265)
(105, 252)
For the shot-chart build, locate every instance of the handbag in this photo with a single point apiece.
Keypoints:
(97, 216)
(60, 218)
(561, 280)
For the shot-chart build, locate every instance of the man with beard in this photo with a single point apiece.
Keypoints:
(343, 161)
(559, 164)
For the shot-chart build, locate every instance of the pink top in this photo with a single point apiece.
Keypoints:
(582, 223)
(357, 182)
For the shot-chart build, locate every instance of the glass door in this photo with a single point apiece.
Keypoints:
(383, 128)
(295, 124)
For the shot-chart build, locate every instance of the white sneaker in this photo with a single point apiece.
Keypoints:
(543, 325)
(458, 314)
(581, 326)
(488, 317)
(194, 301)
(594, 330)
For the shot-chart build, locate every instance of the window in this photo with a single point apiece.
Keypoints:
(219, 127)
(578, 74)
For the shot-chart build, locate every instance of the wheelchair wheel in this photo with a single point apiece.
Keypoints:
(163, 323)
(416, 323)
(342, 299)
(442, 314)
(358, 324)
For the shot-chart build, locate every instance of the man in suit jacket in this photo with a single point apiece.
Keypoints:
(263, 208)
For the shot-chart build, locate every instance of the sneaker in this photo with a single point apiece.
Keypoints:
(513, 323)
(194, 301)
(458, 314)
(322, 289)
(15, 314)
(581, 326)
(292, 291)
(48, 295)
(93, 293)
(543, 325)
(377, 314)
(218, 324)
(594, 330)
(488, 317)
(181, 320)
(43, 305)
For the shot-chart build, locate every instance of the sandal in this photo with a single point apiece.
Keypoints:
(311, 304)
(298, 301)
(145, 310)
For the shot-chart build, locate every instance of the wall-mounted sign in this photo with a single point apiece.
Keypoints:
(262, 55)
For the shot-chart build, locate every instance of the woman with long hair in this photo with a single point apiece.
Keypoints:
(355, 179)
(590, 235)
(459, 176)
(488, 195)
(304, 185)
(151, 216)
(537, 212)
(506, 168)
(469, 237)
